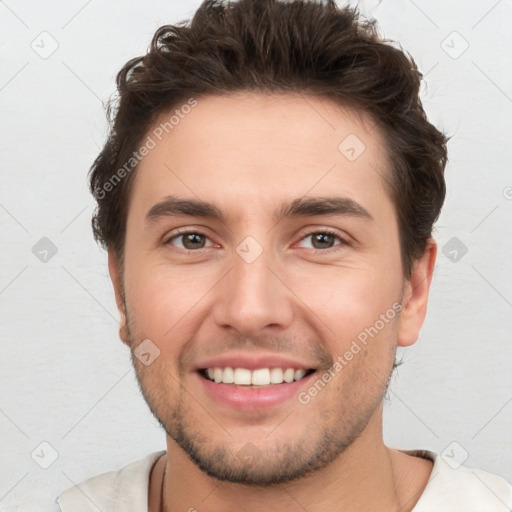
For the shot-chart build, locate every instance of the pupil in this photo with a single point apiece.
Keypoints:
(324, 238)
(194, 239)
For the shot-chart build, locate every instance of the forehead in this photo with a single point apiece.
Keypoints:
(249, 151)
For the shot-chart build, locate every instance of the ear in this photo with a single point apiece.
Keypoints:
(116, 278)
(415, 296)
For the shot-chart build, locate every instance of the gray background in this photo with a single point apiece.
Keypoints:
(66, 379)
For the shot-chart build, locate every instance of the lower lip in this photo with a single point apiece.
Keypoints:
(253, 398)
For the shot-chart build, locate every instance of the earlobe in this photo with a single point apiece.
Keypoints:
(116, 278)
(415, 296)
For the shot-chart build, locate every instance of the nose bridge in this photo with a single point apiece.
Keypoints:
(251, 297)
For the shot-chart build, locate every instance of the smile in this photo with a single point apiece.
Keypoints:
(257, 378)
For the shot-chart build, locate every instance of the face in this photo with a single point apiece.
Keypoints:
(275, 309)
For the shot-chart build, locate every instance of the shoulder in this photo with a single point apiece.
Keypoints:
(453, 487)
(123, 490)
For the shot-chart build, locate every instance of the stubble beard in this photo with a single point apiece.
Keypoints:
(273, 464)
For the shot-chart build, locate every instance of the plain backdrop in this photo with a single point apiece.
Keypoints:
(66, 379)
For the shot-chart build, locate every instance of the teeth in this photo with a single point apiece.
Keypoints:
(242, 376)
(228, 376)
(261, 377)
(276, 376)
(217, 374)
(299, 374)
(258, 377)
(288, 375)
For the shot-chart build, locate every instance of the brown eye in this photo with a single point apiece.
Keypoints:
(324, 241)
(190, 241)
(320, 240)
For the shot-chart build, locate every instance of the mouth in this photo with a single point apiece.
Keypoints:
(253, 382)
(255, 389)
(258, 378)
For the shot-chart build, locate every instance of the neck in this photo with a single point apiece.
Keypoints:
(367, 464)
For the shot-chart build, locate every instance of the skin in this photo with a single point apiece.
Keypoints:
(248, 153)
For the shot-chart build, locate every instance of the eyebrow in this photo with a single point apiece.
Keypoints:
(172, 206)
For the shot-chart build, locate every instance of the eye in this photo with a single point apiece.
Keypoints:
(193, 240)
(324, 240)
(190, 240)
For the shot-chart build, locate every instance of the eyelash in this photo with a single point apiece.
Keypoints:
(326, 231)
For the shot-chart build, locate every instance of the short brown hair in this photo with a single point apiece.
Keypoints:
(301, 46)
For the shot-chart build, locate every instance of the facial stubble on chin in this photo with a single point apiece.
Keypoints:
(277, 463)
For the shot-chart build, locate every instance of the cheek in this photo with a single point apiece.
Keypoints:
(359, 311)
(163, 304)
(350, 297)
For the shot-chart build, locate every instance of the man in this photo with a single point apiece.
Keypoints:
(267, 195)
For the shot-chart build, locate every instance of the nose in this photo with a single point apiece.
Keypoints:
(253, 295)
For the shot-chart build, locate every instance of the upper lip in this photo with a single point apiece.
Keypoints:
(252, 362)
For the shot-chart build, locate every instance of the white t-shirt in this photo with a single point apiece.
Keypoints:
(451, 488)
